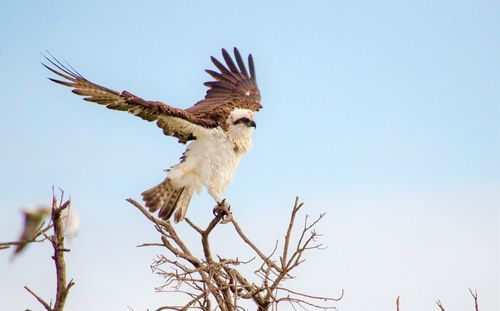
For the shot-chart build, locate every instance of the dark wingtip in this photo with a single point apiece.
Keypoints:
(229, 62)
(240, 62)
(251, 66)
(67, 71)
(224, 52)
(61, 82)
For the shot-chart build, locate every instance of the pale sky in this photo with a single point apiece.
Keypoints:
(384, 115)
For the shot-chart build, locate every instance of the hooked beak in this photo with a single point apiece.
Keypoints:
(252, 124)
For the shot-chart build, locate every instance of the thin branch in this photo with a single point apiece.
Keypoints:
(474, 295)
(440, 305)
(41, 231)
(150, 244)
(146, 213)
(45, 305)
(314, 297)
(295, 209)
(195, 227)
(252, 245)
(301, 302)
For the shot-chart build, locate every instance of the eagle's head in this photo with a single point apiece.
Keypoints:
(240, 125)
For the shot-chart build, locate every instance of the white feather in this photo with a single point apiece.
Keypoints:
(211, 160)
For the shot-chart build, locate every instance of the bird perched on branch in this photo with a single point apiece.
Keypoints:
(218, 129)
(33, 219)
(34, 216)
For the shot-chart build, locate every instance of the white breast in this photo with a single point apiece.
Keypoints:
(210, 161)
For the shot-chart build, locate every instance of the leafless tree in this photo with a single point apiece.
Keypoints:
(214, 283)
(57, 241)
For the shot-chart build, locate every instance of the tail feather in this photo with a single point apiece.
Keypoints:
(168, 209)
(164, 197)
(182, 205)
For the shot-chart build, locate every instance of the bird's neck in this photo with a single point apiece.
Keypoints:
(241, 138)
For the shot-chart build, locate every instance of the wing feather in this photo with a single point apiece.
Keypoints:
(232, 88)
(174, 121)
(230, 63)
(251, 65)
(240, 62)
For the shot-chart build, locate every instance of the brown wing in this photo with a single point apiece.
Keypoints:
(176, 122)
(234, 87)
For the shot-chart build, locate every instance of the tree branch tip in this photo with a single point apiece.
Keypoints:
(63, 206)
(474, 294)
(40, 300)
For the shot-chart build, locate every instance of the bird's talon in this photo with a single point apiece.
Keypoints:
(223, 208)
(227, 218)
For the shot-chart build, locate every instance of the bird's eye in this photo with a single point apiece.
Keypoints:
(242, 120)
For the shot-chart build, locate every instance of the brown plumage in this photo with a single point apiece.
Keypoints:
(232, 88)
(165, 197)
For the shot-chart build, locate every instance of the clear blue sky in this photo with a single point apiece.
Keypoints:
(383, 114)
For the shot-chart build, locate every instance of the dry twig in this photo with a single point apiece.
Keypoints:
(211, 282)
(474, 295)
(37, 238)
(440, 305)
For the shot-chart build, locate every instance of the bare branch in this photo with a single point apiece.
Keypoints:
(295, 209)
(146, 213)
(208, 278)
(57, 241)
(41, 231)
(314, 297)
(195, 227)
(440, 305)
(45, 305)
(252, 245)
(474, 295)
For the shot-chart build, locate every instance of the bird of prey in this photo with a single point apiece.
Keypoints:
(217, 129)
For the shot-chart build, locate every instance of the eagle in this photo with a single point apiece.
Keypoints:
(216, 129)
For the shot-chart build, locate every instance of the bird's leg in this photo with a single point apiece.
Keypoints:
(219, 208)
(224, 209)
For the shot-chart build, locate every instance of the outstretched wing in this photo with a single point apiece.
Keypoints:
(234, 87)
(176, 122)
